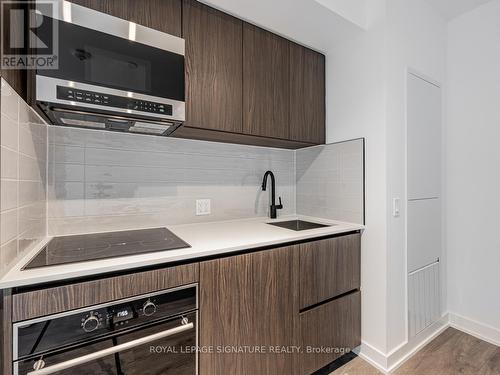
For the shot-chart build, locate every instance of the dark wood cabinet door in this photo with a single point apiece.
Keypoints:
(162, 15)
(307, 95)
(266, 83)
(6, 332)
(329, 268)
(213, 68)
(249, 301)
(335, 326)
(16, 78)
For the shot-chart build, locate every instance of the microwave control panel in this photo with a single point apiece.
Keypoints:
(93, 97)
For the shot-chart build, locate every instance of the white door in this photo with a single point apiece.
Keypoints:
(424, 202)
(424, 172)
(424, 233)
(423, 139)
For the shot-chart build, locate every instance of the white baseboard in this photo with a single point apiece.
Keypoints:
(388, 363)
(476, 329)
(373, 356)
(403, 353)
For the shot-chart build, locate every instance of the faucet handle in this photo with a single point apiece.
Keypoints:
(279, 206)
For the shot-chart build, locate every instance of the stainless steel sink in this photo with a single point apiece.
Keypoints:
(298, 225)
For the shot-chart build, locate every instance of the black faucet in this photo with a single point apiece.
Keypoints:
(274, 206)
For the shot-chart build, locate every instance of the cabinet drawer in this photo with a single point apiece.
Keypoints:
(329, 268)
(331, 330)
(52, 300)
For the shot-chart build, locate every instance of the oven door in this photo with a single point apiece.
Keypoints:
(164, 348)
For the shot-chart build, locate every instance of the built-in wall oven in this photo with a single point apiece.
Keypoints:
(112, 74)
(152, 334)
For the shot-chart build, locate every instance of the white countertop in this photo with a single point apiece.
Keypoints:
(206, 239)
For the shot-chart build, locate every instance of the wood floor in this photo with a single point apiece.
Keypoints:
(451, 353)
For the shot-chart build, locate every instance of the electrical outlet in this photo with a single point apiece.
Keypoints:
(202, 207)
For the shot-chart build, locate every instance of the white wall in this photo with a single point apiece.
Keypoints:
(472, 160)
(356, 97)
(23, 203)
(416, 39)
(366, 86)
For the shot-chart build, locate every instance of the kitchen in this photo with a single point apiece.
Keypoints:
(203, 187)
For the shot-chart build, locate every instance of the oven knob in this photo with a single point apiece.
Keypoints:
(149, 308)
(91, 323)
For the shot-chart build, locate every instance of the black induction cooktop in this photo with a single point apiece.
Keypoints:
(85, 247)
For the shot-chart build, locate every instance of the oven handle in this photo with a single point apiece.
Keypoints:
(112, 350)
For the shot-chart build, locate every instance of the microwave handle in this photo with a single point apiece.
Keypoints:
(112, 350)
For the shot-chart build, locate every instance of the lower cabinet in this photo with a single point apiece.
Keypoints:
(329, 268)
(253, 320)
(329, 331)
(248, 303)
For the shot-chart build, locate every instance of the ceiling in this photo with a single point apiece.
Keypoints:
(305, 21)
(450, 9)
(322, 24)
(354, 11)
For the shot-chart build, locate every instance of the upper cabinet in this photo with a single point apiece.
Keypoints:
(266, 83)
(307, 95)
(243, 84)
(213, 68)
(247, 85)
(163, 15)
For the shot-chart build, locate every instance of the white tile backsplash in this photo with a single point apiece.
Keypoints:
(31, 192)
(10, 102)
(8, 225)
(33, 140)
(8, 254)
(9, 133)
(330, 181)
(23, 177)
(9, 163)
(102, 181)
(67, 154)
(8, 191)
(31, 169)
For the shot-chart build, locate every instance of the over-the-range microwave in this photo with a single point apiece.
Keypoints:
(111, 74)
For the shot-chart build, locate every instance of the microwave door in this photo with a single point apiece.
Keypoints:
(103, 54)
(114, 69)
(134, 80)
